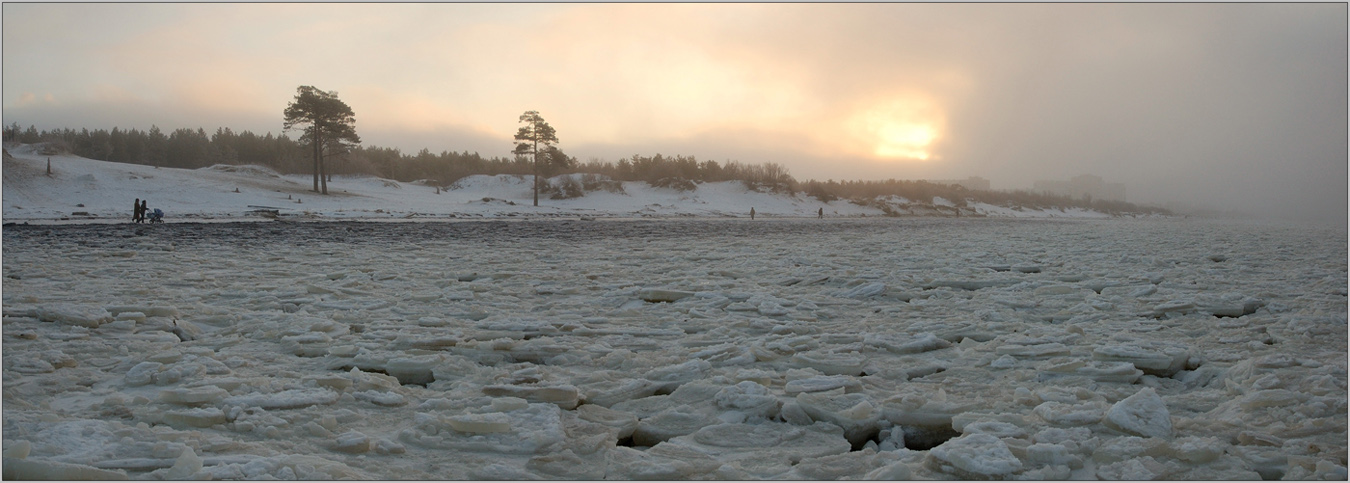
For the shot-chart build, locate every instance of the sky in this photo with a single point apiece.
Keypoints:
(1229, 106)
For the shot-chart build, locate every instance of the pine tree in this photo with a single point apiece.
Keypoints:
(327, 120)
(536, 131)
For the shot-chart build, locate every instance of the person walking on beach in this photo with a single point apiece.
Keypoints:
(820, 214)
(136, 211)
(752, 213)
(143, 209)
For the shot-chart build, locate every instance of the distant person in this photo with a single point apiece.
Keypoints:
(820, 213)
(752, 213)
(143, 210)
(136, 211)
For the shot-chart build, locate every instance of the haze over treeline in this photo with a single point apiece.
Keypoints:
(194, 148)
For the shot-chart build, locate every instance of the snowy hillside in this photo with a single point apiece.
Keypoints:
(89, 190)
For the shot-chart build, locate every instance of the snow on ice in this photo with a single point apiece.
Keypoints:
(674, 349)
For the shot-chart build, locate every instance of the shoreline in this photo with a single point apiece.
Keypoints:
(470, 217)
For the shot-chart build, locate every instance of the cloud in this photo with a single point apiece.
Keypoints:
(29, 99)
(571, 67)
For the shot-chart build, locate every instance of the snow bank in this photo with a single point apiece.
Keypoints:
(99, 191)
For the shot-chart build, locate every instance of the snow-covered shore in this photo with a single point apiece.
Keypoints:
(85, 190)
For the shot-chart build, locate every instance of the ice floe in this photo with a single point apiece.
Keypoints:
(698, 349)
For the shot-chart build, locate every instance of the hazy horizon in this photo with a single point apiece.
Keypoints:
(1240, 107)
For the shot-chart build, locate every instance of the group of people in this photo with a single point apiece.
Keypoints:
(138, 210)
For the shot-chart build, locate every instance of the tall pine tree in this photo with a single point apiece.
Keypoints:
(326, 120)
(536, 131)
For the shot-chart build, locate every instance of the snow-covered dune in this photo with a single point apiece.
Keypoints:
(90, 191)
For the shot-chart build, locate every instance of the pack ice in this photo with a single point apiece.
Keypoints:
(676, 349)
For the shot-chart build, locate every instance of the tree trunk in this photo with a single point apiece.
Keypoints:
(536, 167)
(323, 174)
(315, 140)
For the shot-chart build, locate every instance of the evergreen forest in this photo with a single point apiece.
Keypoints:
(195, 148)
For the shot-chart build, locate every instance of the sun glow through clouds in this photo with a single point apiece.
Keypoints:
(904, 140)
(900, 128)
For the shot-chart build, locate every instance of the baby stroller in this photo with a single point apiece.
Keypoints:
(156, 216)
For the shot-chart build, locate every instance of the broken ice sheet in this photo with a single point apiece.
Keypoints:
(674, 349)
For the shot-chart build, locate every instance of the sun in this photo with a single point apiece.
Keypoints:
(899, 128)
(904, 140)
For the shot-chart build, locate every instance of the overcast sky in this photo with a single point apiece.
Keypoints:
(1232, 106)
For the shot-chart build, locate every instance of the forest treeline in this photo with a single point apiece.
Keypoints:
(195, 148)
(924, 191)
(192, 149)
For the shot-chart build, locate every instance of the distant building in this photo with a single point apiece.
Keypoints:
(973, 183)
(1082, 187)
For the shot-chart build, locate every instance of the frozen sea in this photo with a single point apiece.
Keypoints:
(676, 349)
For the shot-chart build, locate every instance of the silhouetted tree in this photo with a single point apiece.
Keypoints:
(30, 136)
(326, 119)
(156, 143)
(536, 131)
(12, 132)
(558, 161)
